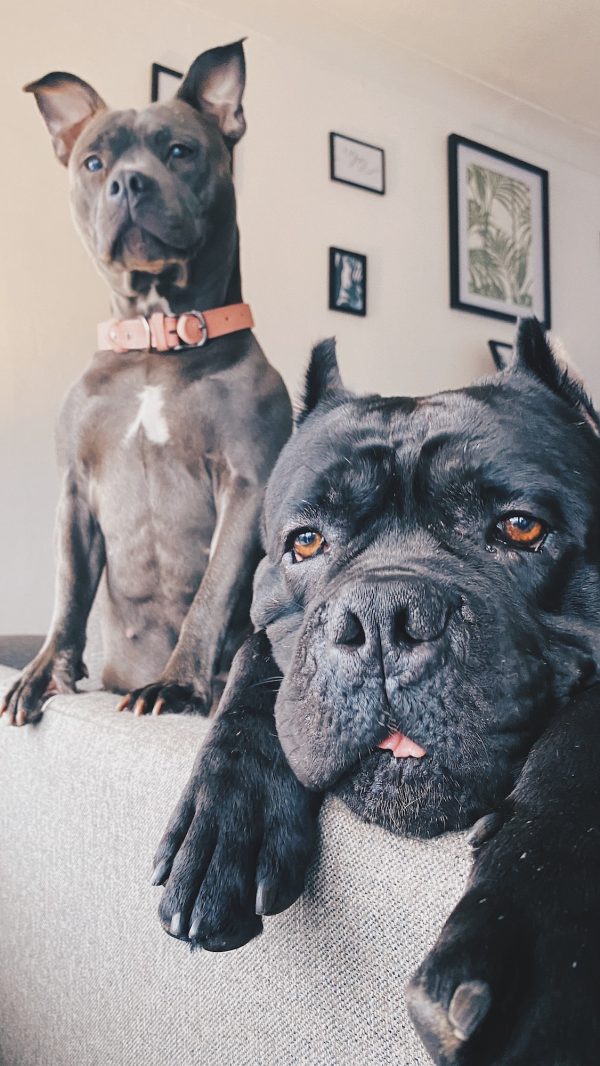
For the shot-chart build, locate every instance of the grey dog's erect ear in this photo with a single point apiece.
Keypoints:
(214, 84)
(323, 383)
(534, 353)
(67, 104)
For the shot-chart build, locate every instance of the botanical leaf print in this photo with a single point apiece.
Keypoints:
(499, 235)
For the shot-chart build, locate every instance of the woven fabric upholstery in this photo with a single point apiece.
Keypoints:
(88, 977)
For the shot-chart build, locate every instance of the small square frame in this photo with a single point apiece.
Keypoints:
(334, 293)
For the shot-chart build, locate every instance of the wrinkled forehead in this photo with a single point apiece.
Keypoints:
(152, 126)
(366, 454)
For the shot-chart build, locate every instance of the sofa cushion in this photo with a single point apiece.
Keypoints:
(87, 975)
(17, 650)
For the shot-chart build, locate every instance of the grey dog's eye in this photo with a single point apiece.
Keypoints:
(179, 151)
(93, 163)
(307, 543)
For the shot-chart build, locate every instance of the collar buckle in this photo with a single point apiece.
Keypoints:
(192, 330)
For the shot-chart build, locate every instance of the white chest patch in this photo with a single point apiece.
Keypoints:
(150, 416)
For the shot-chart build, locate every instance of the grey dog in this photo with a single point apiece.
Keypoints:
(165, 455)
(431, 587)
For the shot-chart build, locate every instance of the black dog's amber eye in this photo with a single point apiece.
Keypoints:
(93, 162)
(179, 151)
(521, 530)
(307, 544)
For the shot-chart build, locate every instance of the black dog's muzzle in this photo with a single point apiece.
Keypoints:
(398, 622)
(360, 662)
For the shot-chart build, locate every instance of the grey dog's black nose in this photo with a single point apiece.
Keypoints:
(130, 183)
(399, 614)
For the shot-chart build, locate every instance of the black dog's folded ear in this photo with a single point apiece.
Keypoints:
(534, 353)
(67, 103)
(323, 383)
(215, 84)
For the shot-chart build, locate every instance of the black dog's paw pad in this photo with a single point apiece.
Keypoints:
(468, 1007)
(235, 938)
(224, 931)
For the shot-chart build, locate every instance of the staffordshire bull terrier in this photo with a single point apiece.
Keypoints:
(167, 441)
(428, 636)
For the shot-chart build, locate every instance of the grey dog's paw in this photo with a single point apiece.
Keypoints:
(44, 677)
(167, 697)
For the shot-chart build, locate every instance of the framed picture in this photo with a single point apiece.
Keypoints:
(165, 83)
(501, 353)
(356, 163)
(347, 281)
(499, 233)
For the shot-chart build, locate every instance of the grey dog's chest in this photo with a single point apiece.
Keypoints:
(148, 449)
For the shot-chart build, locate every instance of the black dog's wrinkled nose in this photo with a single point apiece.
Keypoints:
(130, 183)
(398, 614)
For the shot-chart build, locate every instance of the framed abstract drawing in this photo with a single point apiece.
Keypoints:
(499, 233)
(356, 163)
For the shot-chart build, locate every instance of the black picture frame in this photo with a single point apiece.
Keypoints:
(353, 303)
(501, 352)
(159, 76)
(536, 181)
(336, 172)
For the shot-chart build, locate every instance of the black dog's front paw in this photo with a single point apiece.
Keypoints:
(469, 981)
(240, 839)
(167, 696)
(237, 848)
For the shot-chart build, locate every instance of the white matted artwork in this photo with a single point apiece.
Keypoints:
(356, 163)
(499, 233)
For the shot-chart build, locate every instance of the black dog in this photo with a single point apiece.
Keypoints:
(431, 585)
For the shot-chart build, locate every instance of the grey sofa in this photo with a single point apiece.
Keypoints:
(88, 977)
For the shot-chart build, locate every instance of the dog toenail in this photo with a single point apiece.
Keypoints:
(159, 873)
(468, 1007)
(176, 926)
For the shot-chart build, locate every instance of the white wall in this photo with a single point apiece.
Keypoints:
(303, 81)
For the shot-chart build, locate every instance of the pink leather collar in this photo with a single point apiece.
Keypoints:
(171, 333)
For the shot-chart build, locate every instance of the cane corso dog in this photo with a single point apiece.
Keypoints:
(168, 439)
(427, 645)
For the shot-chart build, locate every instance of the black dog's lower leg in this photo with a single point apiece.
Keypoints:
(513, 978)
(239, 842)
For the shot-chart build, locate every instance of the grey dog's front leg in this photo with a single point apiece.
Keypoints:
(188, 676)
(79, 563)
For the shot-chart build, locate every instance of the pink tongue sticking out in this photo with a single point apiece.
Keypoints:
(402, 747)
